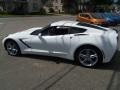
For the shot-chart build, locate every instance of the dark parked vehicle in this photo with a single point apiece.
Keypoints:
(113, 17)
(109, 19)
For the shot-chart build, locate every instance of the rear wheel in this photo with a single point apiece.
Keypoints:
(12, 48)
(89, 56)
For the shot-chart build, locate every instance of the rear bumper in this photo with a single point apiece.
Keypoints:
(111, 45)
(115, 56)
(116, 53)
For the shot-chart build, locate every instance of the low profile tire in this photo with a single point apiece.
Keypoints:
(12, 48)
(89, 56)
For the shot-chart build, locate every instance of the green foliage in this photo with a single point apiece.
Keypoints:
(118, 2)
(101, 2)
(51, 10)
(43, 11)
(44, 1)
(70, 6)
(47, 2)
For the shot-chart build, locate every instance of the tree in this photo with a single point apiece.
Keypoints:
(70, 6)
(101, 5)
(118, 2)
(101, 2)
(82, 5)
(44, 2)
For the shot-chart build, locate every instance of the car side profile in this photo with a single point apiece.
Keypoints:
(92, 18)
(88, 44)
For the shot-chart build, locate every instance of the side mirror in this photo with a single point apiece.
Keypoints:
(40, 35)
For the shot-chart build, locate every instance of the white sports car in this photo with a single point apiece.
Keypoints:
(86, 43)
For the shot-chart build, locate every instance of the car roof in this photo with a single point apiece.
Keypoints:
(64, 23)
(76, 24)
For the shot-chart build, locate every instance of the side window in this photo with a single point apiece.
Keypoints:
(52, 31)
(82, 15)
(44, 32)
(86, 16)
(74, 30)
(55, 31)
(47, 30)
(36, 32)
(62, 31)
(58, 31)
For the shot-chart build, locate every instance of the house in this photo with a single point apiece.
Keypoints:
(56, 5)
(23, 6)
(29, 6)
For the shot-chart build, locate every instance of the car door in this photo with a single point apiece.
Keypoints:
(44, 44)
(67, 38)
(62, 41)
(77, 35)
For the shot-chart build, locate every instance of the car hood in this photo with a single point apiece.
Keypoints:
(25, 32)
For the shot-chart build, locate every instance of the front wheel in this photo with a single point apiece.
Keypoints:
(88, 56)
(12, 48)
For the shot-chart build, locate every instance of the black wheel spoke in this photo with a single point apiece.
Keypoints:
(12, 48)
(88, 57)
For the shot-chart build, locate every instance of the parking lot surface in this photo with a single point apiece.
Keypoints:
(30, 72)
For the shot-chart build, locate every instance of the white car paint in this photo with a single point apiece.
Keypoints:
(65, 45)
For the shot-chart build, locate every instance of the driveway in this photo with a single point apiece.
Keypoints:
(30, 72)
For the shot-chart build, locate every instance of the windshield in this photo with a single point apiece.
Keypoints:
(46, 27)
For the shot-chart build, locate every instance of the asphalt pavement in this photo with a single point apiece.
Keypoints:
(31, 72)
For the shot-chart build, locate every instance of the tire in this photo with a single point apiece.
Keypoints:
(12, 48)
(88, 56)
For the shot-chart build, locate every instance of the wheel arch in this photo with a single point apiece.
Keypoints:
(86, 45)
(9, 39)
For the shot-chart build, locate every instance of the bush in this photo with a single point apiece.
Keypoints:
(43, 11)
(35, 13)
(73, 9)
(51, 10)
(17, 11)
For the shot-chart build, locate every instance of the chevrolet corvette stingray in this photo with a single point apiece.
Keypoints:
(86, 43)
